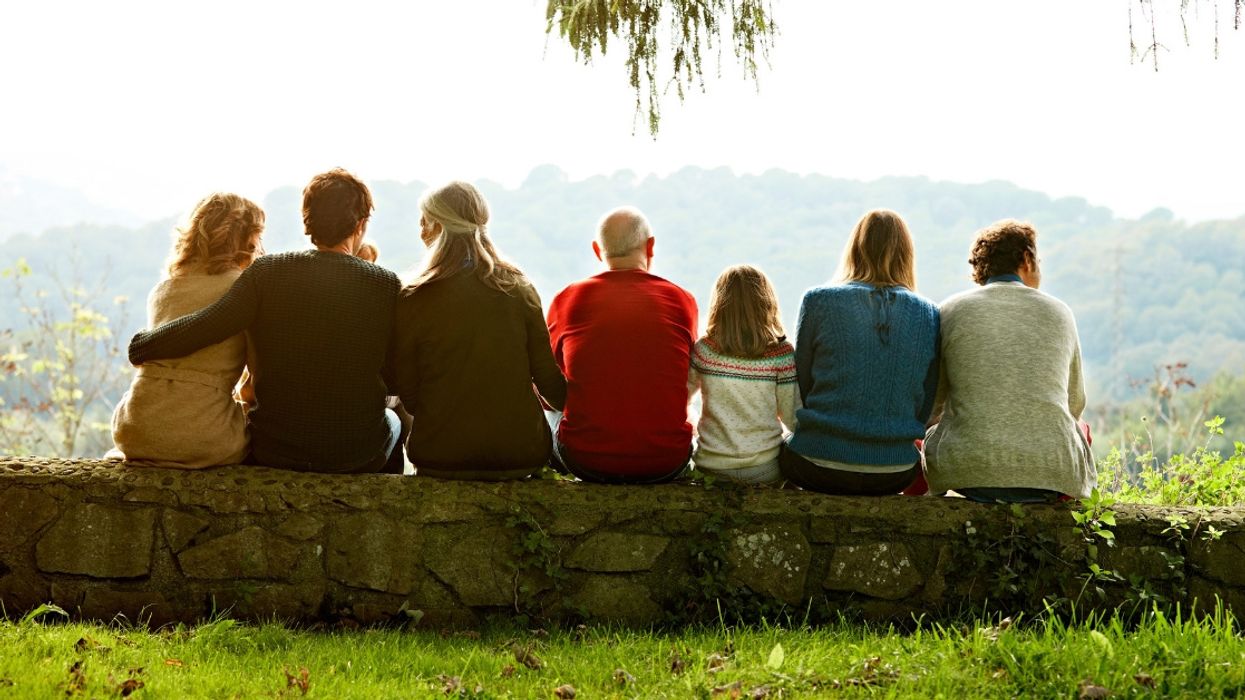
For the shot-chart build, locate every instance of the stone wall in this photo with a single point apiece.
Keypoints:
(101, 540)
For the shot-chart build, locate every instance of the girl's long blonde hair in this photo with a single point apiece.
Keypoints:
(744, 320)
(880, 252)
(223, 233)
(464, 241)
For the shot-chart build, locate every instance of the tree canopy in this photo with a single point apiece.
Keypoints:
(696, 29)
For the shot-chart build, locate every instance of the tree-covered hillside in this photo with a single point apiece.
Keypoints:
(1144, 292)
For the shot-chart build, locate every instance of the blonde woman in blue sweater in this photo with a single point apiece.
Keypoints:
(867, 365)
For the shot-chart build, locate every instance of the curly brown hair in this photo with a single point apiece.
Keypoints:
(1001, 248)
(222, 234)
(333, 205)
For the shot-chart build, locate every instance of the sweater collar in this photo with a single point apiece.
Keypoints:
(1009, 277)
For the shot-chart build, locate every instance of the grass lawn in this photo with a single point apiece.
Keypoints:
(1159, 658)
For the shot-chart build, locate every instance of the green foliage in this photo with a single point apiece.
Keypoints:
(60, 370)
(536, 560)
(694, 28)
(1015, 564)
(1203, 478)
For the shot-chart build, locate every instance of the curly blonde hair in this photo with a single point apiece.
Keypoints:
(222, 234)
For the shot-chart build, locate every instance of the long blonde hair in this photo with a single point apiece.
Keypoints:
(464, 241)
(880, 252)
(744, 320)
(223, 233)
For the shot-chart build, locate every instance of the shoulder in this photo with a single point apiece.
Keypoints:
(669, 287)
(967, 297)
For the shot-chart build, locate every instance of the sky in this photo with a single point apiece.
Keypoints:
(147, 106)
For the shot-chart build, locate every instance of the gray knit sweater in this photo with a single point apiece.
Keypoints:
(1010, 395)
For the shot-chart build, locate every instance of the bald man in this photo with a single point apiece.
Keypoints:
(623, 338)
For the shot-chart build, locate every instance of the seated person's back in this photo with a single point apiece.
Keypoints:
(1012, 392)
(319, 322)
(623, 339)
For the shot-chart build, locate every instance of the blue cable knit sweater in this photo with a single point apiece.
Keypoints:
(867, 364)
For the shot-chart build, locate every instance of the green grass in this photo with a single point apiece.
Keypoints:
(1159, 658)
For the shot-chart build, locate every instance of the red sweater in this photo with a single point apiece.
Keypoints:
(623, 339)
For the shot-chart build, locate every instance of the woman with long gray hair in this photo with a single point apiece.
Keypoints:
(469, 344)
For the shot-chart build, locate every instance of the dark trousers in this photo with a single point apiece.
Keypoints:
(811, 477)
(561, 462)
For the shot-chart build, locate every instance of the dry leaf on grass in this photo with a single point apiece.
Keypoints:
(450, 684)
(302, 681)
(564, 692)
(508, 671)
(177, 663)
(760, 692)
(527, 657)
(622, 678)
(715, 663)
(1145, 679)
(676, 663)
(77, 679)
(1088, 690)
(732, 691)
(127, 687)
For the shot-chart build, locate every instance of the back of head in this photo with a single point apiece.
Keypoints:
(744, 319)
(622, 232)
(222, 233)
(880, 252)
(334, 203)
(463, 215)
(1001, 248)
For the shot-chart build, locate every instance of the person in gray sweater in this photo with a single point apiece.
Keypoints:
(1011, 392)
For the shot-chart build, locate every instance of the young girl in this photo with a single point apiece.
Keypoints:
(745, 370)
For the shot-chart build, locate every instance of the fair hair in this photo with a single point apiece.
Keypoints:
(622, 232)
(880, 252)
(464, 242)
(744, 320)
(222, 233)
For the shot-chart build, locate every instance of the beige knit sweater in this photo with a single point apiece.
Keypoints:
(1011, 395)
(181, 413)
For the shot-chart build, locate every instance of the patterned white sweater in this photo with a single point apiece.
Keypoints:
(744, 404)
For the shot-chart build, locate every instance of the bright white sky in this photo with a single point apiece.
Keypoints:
(147, 106)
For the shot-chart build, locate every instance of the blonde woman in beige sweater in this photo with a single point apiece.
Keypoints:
(181, 412)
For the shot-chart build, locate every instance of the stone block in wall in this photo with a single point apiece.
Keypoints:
(771, 560)
(249, 553)
(879, 570)
(368, 550)
(149, 494)
(614, 599)
(180, 528)
(22, 590)
(1145, 561)
(1222, 559)
(99, 541)
(300, 526)
(264, 601)
(22, 514)
(474, 563)
(618, 552)
(135, 606)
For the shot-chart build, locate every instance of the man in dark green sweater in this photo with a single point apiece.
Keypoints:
(319, 323)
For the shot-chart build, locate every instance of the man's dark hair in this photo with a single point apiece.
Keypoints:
(333, 205)
(1001, 248)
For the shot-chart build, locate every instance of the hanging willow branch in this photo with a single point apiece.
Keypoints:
(694, 28)
(1151, 51)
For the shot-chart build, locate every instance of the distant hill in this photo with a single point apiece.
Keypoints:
(31, 206)
(1144, 291)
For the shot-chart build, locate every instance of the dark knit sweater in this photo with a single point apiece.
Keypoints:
(320, 325)
(465, 359)
(866, 363)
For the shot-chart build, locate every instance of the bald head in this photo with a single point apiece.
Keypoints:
(623, 232)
